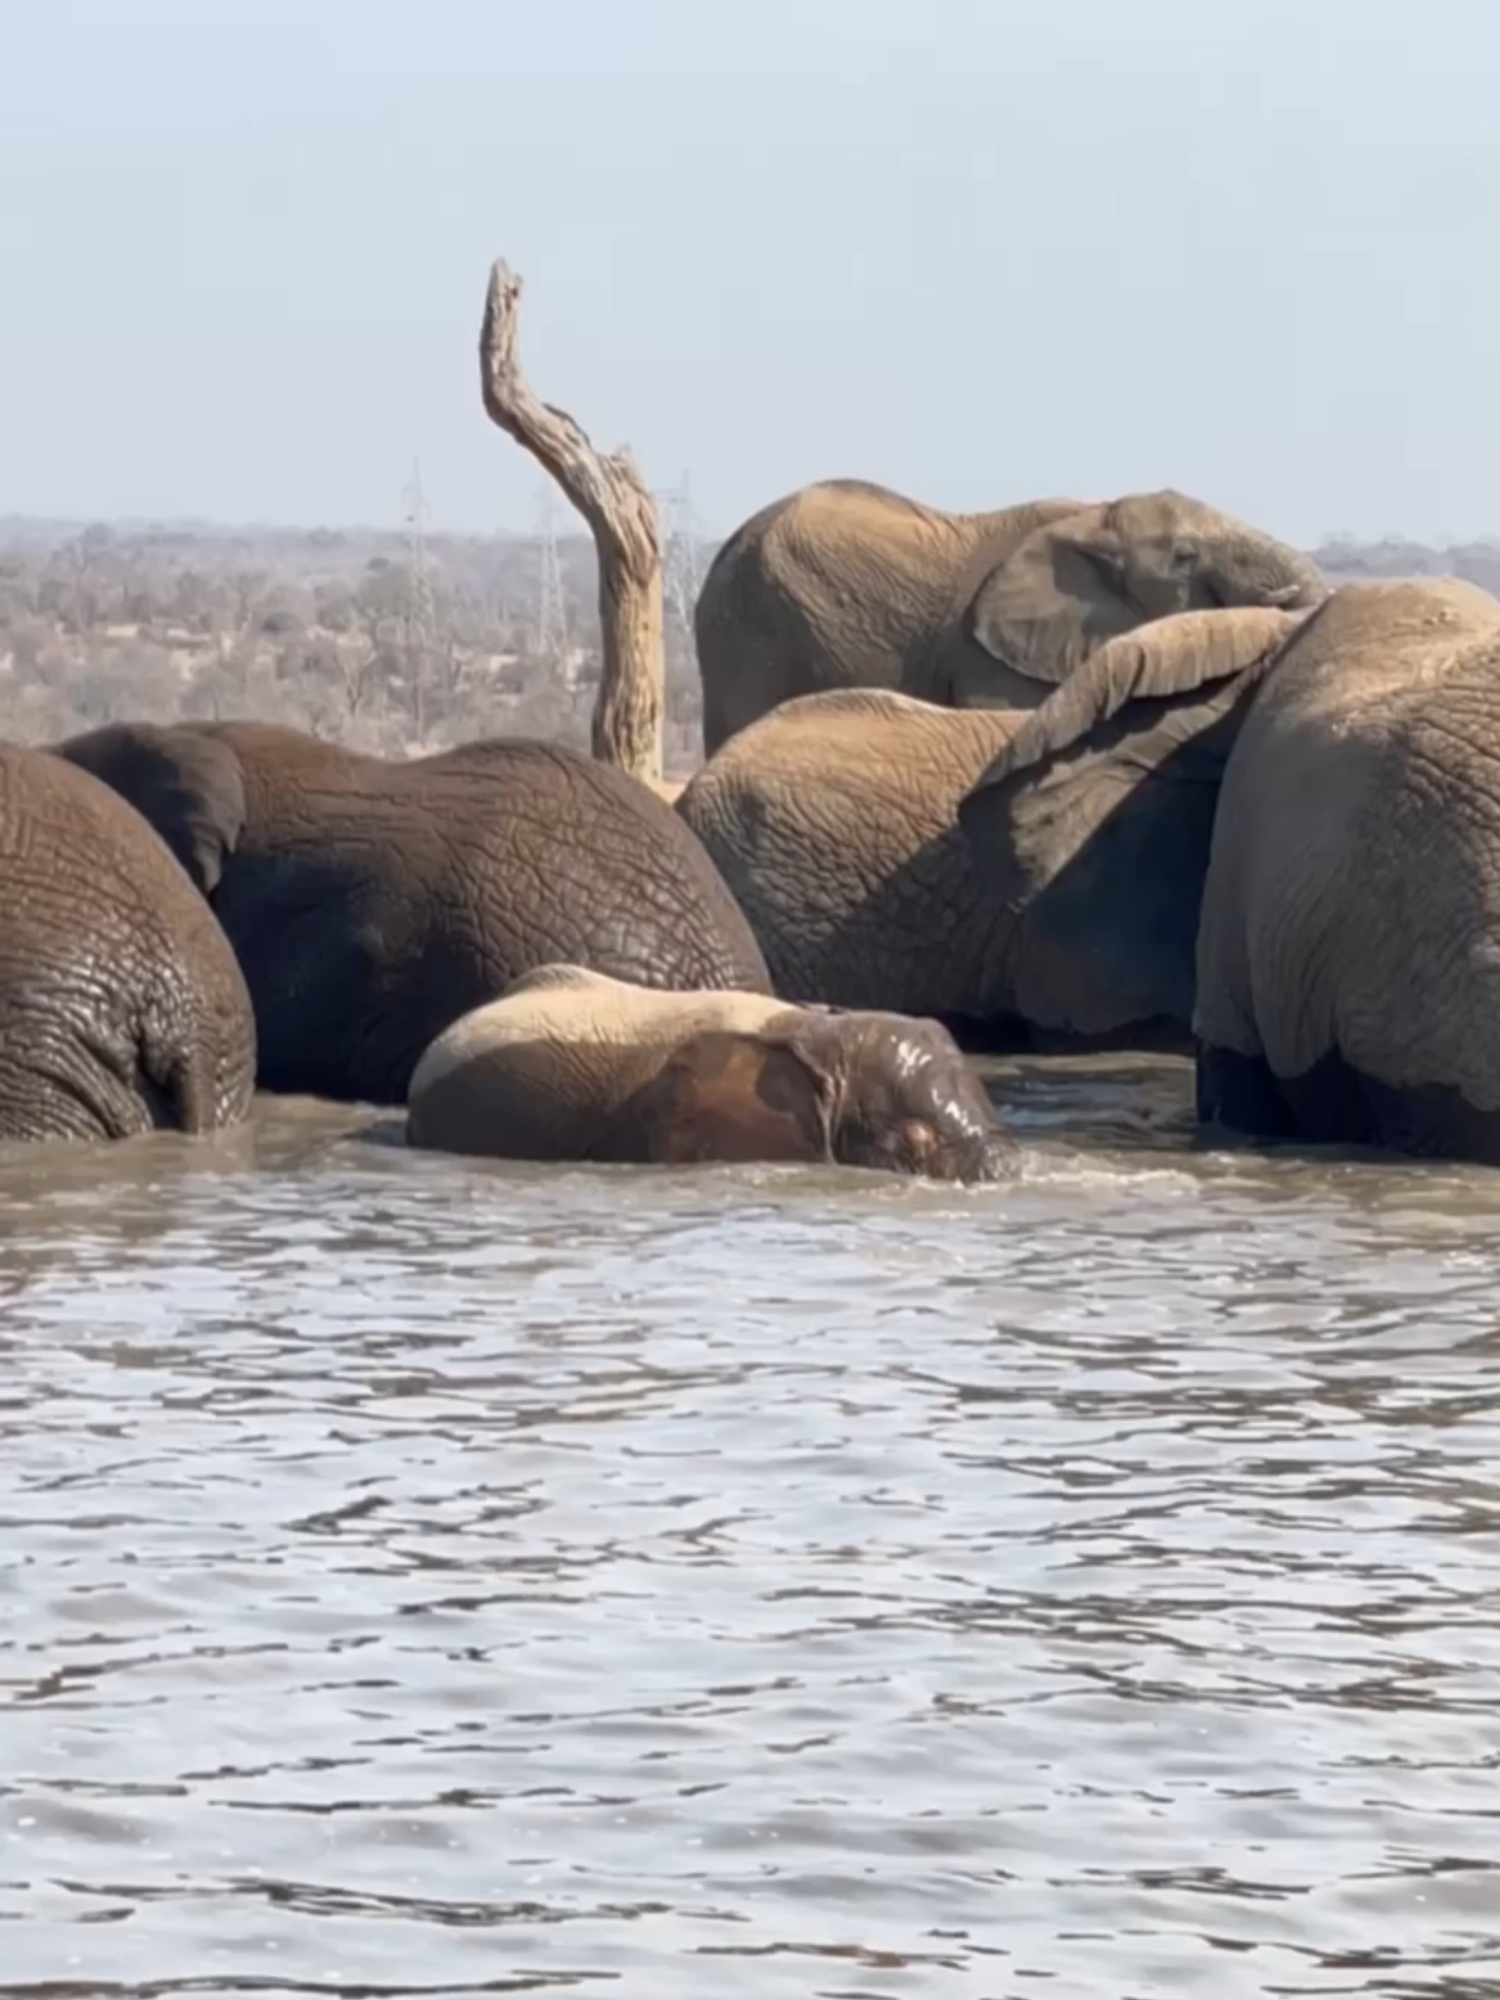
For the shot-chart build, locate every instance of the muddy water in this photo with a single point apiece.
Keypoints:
(426, 1578)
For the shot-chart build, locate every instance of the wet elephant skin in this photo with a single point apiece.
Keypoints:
(373, 902)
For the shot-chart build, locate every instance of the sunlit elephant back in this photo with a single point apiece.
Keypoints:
(837, 820)
(833, 820)
(845, 584)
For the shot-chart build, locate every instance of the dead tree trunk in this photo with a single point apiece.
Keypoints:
(612, 497)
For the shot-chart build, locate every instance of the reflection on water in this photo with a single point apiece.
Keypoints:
(421, 1577)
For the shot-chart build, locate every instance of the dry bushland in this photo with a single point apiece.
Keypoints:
(333, 632)
(341, 633)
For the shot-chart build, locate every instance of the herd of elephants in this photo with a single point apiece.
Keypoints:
(1069, 775)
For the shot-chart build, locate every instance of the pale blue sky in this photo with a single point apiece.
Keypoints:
(978, 249)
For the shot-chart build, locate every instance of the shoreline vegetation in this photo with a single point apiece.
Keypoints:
(362, 636)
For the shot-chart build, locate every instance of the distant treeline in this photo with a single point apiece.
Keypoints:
(355, 634)
(1476, 562)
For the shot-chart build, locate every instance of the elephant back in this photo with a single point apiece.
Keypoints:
(94, 900)
(1387, 638)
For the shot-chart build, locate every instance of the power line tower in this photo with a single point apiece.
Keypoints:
(551, 607)
(419, 622)
(680, 571)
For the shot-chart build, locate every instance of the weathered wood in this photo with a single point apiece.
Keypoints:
(610, 494)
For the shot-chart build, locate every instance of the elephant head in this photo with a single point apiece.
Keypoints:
(864, 1089)
(1095, 820)
(188, 783)
(1073, 584)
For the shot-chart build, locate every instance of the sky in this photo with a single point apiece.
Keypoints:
(978, 250)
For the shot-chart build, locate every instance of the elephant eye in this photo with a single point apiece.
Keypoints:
(1184, 556)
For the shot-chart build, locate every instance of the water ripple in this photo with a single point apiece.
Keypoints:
(423, 1577)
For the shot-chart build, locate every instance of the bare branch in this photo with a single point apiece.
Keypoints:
(613, 498)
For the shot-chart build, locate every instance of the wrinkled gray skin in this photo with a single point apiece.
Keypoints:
(1339, 800)
(570, 1065)
(122, 1010)
(371, 902)
(846, 584)
(834, 820)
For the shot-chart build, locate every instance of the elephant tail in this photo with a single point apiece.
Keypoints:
(196, 1066)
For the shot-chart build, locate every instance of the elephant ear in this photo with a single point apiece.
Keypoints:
(1054, 600)
(190, 786)
(1094, 821)
(736, 1096)
(1073, 584)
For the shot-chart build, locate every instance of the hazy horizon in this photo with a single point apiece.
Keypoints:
(969, 249)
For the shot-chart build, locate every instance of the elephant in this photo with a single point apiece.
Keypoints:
(123, 1009)
(1316, 835)
(847, 584)
(834, 821)
(572, 1065)
(372, 901)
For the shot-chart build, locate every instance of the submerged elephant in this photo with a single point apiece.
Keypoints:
(845, 584)
(834, 821)
(372, 902)
(122, 1009)
(1314, 835)
(571, 1065)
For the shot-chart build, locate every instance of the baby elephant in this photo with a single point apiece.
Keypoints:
(572, 1065)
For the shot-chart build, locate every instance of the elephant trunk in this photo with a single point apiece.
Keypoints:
(987, 1157)
(1252, 571)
